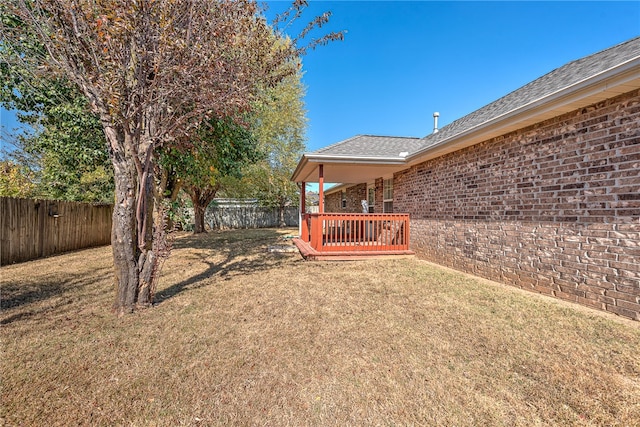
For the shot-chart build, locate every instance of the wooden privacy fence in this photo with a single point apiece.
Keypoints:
(31, 229)
(248, 216)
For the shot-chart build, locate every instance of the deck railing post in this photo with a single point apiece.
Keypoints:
(306, 224)
(316, 231)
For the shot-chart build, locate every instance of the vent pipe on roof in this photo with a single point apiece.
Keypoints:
(435, 122)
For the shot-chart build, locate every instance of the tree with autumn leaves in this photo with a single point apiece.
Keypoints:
(63, 154)
(279, 129)
(153, 72)
(217, 152)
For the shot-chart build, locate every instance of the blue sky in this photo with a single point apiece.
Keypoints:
(401, 61)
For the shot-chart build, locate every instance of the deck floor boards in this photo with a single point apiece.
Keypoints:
(311, 254)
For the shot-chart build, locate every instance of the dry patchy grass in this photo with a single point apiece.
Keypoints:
(241, 336)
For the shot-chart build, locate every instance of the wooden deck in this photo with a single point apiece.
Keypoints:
(340, 236)
(311, 254)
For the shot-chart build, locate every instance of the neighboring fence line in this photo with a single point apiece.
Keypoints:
(233, 214)
(31, 228)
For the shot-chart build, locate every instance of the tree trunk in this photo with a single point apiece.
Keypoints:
(281, 209)
(169, 189)
(147, 259)
(200, 200)
(198, 212)
(135, 250)
(124, 236)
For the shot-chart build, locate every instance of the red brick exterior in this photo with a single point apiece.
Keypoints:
(355, 196)
(332, 202)
(553, 208)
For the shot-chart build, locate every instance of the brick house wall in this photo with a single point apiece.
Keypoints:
(553, 208)
(354, 196)
(333, 202)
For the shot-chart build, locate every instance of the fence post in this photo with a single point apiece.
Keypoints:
(42, 208)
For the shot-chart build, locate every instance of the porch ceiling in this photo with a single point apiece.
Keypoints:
(346, 170)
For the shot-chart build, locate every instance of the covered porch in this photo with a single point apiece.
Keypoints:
(348, 235)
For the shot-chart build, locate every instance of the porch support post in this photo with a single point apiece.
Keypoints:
(302, 225)
(321, 188)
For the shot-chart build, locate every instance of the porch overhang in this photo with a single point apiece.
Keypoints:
(346, 169)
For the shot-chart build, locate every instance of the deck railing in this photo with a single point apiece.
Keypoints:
(345, 232)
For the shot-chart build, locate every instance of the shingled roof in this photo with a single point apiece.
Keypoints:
(561, 78)
(552, 82)
(373, 146)
(579, 83)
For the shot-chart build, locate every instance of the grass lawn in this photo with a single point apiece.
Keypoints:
(241, 336)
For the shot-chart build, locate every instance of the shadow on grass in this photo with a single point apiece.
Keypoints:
(238, 248)
(28, 295)
(12, 297)
(235, 246)
(20, 302)
(237, 241)
(193, 282)
(15, 317)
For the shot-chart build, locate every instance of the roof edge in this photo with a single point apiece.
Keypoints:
(571, 93)
(344, 158)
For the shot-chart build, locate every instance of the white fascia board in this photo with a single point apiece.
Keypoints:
(325, 158)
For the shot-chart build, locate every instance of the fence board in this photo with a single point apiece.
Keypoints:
(32, 228)
(240, 217)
